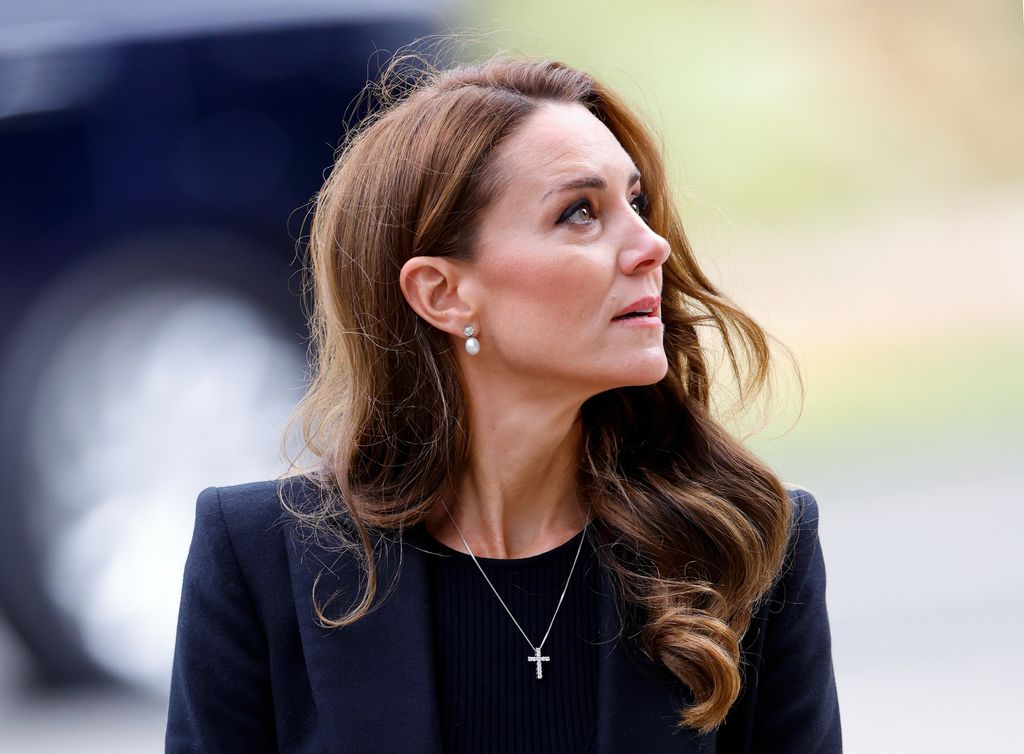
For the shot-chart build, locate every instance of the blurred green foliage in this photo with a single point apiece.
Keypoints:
(775, 117)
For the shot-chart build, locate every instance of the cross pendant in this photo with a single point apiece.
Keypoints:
(538, 659)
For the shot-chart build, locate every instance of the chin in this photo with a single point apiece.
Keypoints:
(644, 373)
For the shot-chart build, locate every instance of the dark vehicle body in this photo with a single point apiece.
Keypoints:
(147, 169)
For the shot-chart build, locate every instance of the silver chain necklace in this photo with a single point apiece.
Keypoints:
(537, 657)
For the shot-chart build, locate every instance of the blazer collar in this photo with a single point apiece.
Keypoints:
(373, 681)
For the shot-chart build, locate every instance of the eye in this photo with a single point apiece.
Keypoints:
(643, 203)
(582, 207)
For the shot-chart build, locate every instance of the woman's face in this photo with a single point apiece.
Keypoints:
(562, 251)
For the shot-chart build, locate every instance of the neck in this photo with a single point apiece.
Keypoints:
(517, 496)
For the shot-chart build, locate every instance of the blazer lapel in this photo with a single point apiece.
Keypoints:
(638, 701)
(373, 681)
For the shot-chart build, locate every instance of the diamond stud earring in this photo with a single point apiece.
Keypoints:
(472, 344)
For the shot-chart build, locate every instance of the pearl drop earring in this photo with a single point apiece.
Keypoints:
(472, 344)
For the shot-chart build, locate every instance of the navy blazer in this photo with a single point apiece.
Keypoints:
(254, 673)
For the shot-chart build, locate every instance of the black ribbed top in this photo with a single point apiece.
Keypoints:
(489, 696)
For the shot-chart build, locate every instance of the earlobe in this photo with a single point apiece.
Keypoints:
(430, 286)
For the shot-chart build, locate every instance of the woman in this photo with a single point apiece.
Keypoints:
(524, 530)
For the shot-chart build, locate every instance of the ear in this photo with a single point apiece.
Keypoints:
(437, 290)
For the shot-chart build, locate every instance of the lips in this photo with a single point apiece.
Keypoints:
(647, 302)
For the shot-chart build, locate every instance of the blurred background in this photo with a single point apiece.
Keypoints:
(852, 174)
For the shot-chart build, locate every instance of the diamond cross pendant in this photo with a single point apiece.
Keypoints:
(538, 659)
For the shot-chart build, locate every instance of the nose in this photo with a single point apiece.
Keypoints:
(646, 250)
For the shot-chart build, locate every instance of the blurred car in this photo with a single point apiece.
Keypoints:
(157, 164)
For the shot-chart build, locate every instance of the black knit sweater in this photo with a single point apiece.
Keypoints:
(489, 696)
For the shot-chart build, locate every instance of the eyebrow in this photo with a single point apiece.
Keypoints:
(590, 181)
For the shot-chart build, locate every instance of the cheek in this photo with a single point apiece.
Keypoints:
(538, 284)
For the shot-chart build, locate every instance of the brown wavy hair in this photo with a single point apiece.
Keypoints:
(691, 525)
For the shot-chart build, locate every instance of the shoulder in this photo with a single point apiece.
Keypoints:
(803, 566)
(805, 515)
(249, 526)
(252, 510)
(244, 536)
(805, 505)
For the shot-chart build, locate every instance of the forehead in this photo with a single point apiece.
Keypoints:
(559, 141)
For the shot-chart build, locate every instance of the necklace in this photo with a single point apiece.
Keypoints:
(537, 657)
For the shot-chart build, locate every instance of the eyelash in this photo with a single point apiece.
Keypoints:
(641, 199)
